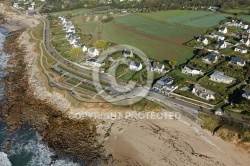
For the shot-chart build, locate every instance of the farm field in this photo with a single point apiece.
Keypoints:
(91, 27)
(153, 34)
(160, 35)
(199, 19)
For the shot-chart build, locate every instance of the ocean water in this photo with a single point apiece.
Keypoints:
(26, 148)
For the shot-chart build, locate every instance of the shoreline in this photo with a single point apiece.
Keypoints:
(51, 122)
(21, 106)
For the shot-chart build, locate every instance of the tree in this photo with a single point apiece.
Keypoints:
(172, 63)
(100, 44)
(75, 52)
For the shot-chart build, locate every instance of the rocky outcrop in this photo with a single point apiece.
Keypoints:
(70, 138)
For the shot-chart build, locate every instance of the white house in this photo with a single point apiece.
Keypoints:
(93, 52)
(84, 49)
(203, 92)
(238, 61)
(16, 5)
(246, 94)
(135, 66)
(245, 41)
(164, 85)
(218, 36)
(221, 78)
(248, 31)
(31, 8)
(210, 58)
(222, 44)
(94, 62)
(244, 26)
(240, 49)
(218, 112)
(202, 40)
(223, 30)
(157, 67)
(191, 71)
(127, 53)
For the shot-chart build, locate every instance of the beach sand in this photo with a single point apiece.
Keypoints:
(169, 142)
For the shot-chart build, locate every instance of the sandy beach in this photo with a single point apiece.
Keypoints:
(169, 142)
(131, 143)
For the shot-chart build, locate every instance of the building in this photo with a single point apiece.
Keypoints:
(223, 30)
(84, 49)
(246, 94)
(240, 49)
(245, 41)
(238, 61)
(217, 35)
(157, 67)
(202, 40)
(218, 112)
(222, 44)
(244, 26)
(203, 92)
(221, 78)
(164, 85)
(94, 62)
(93, 52)
(135, 66)
(210, 58)
(191, 71)
(127, 53)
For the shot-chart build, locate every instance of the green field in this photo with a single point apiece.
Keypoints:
(232, 11)
(160, 35)
(200, 19)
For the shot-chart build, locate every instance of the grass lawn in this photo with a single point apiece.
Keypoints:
(232, 11)
(245, 18)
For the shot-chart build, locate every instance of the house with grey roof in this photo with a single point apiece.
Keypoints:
(210, 58)
(240, 49)
(246, 94)
(203, 92)
(127, 53)
(245, 41)
(164, 85)
(93, 52)
(222, 44)
(203, 40)
(157, 67)
(94, 62)
(191, 71)
(238, 61)
(221, 78)
(135, 66)
(223, 30)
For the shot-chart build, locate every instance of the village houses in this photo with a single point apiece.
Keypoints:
(203, 92)
(165, 85)
(240, 49)
(203, 40)
(210, 58)
(221, 78)
(237, 61)
(191, 71)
